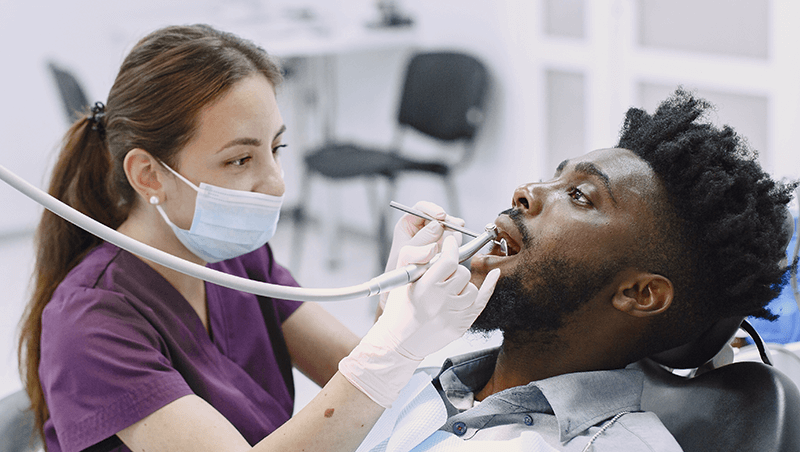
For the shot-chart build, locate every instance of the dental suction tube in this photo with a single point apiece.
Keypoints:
(379, 284)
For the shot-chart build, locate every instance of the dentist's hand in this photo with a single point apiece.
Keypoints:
(437, 309)
(420, 318)
(411, 230)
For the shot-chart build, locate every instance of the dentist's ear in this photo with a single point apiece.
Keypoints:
(643, 294)
(144, 175)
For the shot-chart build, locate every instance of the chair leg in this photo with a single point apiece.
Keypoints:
(299, 224)
(384, 228)
(332, 228)
(452, 196)
(374, 202)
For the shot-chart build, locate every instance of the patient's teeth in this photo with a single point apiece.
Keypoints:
(504, 246)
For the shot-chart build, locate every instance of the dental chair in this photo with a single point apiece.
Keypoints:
(717, 405)
(744, 406)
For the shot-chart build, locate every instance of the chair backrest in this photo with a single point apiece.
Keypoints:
(73, 97)
(443, 95)
(16, 424)
(746, 407)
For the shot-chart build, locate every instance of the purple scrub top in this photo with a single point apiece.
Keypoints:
(119, 342)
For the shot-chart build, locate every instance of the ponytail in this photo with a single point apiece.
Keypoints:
(79, 179)
(162, 86)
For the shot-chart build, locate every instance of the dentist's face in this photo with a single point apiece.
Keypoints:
(568, 238)
(236, 146)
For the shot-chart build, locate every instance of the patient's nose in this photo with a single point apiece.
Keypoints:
(528, 198)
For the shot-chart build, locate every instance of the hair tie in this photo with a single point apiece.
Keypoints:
(96, 119)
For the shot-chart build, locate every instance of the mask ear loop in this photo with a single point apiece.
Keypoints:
(188, 182)
(156, 202)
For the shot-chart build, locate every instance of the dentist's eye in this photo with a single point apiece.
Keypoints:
(277, 148)
(239, 162)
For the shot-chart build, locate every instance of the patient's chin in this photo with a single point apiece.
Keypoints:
(503, 308)
(541, 299)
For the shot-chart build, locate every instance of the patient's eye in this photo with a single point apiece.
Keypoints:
(576, 194)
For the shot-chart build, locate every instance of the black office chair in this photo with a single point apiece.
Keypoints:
(73, 97)
(442, 98)
(16, 424)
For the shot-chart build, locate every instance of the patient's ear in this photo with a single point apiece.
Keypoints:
(644, 294)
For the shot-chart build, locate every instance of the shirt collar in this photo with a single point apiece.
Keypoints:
(578, 400)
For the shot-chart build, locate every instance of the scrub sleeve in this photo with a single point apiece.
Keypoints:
(119, 342)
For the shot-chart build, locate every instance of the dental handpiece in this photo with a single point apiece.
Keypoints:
(377, 285)
(412, 272)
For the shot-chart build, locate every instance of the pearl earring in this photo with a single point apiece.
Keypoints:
(154, 200)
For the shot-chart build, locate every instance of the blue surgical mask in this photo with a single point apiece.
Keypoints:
(227, 223)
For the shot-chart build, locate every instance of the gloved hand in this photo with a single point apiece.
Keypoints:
(411, 230)
(420, 319)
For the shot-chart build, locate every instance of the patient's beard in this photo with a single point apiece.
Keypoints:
(538, 296)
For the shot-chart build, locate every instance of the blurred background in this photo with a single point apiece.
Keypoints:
(562, 74)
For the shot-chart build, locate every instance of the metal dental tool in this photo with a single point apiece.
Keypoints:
(379, 284)
(502, 243)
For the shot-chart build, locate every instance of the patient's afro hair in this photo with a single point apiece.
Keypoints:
(730, 213)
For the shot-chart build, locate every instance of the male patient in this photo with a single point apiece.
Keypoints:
(626, 252)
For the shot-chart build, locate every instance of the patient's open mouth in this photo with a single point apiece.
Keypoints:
(511, 247)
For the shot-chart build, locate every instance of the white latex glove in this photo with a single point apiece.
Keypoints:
(412, 230)
(420, 318)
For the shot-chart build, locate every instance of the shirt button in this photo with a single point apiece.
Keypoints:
(459, 428)
(528, 420)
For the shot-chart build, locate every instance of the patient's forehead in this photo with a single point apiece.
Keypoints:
(630, 177)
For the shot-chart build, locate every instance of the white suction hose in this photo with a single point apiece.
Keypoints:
(379, 284)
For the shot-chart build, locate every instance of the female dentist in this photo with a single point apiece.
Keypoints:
(120, 353)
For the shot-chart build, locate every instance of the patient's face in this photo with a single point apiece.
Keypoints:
(568, 238)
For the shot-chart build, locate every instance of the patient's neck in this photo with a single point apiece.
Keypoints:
(520, 362)
(529, 357)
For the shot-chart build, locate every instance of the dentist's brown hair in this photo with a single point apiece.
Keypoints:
(154, 104)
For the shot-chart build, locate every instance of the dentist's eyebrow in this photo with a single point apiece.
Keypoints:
(592, 170)
(249, 141)
(241, 142)
(280, 132)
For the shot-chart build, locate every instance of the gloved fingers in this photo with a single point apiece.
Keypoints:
(431, 233)
(457, 282)
(431, 209)
(472, 301)
(447, 231)
(465, 298)
(409, 224)
(455, 220)
(424, 234)
(416, 254)
(451, 233)
(445, 266)
(486, 290)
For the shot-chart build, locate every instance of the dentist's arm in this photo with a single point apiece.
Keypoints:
(420, 319)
